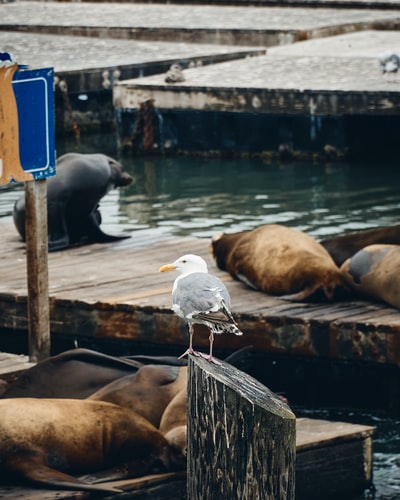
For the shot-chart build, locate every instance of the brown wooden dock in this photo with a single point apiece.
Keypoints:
(114, 291)
(319, 445)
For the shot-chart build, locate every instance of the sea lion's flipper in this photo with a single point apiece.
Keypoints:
(113, 474)
(313, 293)
(97, 235)
(307, 294)
(31, 468)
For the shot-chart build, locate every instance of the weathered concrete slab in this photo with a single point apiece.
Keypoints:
(367, 4)
(82, 61)
(86, 68)
(297, 99)
(192, 23)
(341, 63)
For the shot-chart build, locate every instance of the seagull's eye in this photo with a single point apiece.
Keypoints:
(184, 262)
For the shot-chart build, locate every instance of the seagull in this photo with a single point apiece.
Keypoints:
(200, 297)
(390, 63)
(174, 74)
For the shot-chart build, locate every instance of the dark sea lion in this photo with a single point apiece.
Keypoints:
(279, 261)
(374, 272)
(76, 373)
(44, 441)
(343, 247)
(73, 196)
(147, 392)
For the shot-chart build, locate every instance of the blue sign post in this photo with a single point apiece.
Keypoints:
(27, 154)
(34, 95)
(27, 149)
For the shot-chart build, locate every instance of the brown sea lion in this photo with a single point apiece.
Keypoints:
(76, 373)
(147, 392)
(343, 247)
(374, 272)
(279, 261)
(45, 440)
(174, 422)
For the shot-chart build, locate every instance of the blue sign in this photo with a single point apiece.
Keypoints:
(34, 94)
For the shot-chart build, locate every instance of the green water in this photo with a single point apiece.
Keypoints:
(187, 196)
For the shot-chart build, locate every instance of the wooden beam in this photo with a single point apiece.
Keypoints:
(241, 436)
(37, 269)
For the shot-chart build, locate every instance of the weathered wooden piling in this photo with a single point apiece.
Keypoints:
(37, 270)
(241, 436)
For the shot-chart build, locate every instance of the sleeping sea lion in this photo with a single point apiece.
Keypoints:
(75, 373)
(174, 422)
(343, 247)
(279, 261)
(147, 392)
(44, 441)
(373, 272)
(73, 196)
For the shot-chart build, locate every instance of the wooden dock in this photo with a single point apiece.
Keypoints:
(319, 445)
(113, 294)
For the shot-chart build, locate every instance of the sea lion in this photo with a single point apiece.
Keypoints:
(174, 422)
(279, 261)
(45, 440)
(73, 197)
(147, 392)
(373, 272)
(75, 373)
(343, 247)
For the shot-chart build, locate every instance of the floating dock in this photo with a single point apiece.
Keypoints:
(113, 297)
(319, 443)
(305, 99)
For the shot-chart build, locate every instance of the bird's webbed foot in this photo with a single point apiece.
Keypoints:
(210, 358)
(190, 351)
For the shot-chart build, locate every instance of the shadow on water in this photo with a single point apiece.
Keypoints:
(201, 197)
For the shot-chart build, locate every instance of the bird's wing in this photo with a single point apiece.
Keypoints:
(199, 293)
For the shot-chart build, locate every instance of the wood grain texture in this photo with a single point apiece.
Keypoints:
(241, 436)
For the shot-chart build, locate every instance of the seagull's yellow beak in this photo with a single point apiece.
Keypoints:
(167, 267)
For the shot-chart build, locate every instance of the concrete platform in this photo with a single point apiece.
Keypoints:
(304, 84)
(232, 25)
(343, 63)
(306, 97)
(81, 61)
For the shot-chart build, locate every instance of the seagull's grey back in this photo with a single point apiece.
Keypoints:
(196, 293)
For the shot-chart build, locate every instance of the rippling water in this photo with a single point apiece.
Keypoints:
(186, 196)
(192, 196)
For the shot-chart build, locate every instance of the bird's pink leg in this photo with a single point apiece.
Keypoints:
(210, 356)
(190, 348)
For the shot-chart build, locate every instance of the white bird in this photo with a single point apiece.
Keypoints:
(174, 74)
(390, 63)
(200, 297)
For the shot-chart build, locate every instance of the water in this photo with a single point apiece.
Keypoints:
(199, 197)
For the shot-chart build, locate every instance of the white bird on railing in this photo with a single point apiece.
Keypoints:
(200, 297)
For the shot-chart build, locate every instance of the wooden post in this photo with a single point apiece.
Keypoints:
(241, 437)
(37, 269)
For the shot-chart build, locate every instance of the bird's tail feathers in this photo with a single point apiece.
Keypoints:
(234, 329)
